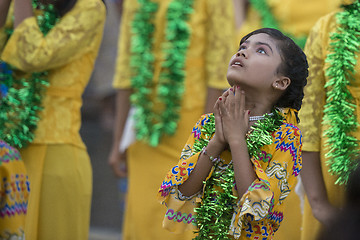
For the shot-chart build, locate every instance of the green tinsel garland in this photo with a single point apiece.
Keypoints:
(340, 110)
(268, 20)
(151, 125)
(20, 107)
(216, 210)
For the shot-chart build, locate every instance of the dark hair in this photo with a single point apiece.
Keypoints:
(294, 66)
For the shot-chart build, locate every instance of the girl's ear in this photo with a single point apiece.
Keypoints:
(281, 83)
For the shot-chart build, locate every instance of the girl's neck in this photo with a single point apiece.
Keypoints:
(258, 106)
(259, 101)
(256, 109)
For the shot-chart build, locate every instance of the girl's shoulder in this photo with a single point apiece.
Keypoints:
(289, 128)
(288, 132)
(290, 115)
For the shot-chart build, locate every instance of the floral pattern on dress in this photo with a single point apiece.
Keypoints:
(259, 211)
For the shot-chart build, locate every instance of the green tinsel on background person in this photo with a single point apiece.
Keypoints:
(19, 109)
(154, 122)
(340, 109)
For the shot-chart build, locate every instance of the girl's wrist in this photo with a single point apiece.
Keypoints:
(214, 159)
(237, 142)
(214, 147)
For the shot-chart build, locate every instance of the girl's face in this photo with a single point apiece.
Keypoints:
(255, 64)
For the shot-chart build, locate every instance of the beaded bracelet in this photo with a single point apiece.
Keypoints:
(184, 198)
(214, 160)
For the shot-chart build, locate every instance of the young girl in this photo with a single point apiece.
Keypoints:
(240, 163)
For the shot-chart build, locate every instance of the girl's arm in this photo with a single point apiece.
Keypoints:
(22, 10)
(202, 169)
(243, 168)
(4, 9)
(204, 165)
(312, 179)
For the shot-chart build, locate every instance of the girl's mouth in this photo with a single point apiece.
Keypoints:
(237, 63)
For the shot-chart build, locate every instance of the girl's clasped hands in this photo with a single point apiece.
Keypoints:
(231, 117)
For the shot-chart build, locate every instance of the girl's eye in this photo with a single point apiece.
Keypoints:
(261, 50)
(242, 47)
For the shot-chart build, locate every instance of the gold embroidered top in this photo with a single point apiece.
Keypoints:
(311, 112)
(68, 53)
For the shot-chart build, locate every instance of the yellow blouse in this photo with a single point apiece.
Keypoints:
(68, 52)
(311, 112)
(294, 16)
(259, 212)
(212, 32)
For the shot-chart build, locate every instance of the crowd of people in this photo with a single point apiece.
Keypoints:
(230, 119)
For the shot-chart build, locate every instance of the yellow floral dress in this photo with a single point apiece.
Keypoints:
(14, 193)
(57, 161)
(259, 212)
(312, 113)
(211, 47)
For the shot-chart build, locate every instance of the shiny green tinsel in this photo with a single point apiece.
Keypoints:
(151, 125)
(214, 214)
(19, 109)
(268, 20)
(339, 110)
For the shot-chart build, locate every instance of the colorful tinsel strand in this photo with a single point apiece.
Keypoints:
(20, 106)
(151, 125)
(214, 214)
(269, 21)
(340, 110)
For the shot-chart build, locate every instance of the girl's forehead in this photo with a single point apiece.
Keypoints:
(265, 39)
(262, 37)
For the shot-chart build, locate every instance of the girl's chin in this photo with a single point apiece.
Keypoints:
(234, 81)
(233, 76)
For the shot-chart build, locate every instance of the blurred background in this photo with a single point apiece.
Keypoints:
(96, 131)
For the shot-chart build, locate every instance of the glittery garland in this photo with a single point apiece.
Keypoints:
(151, 125)
(340, 109)
(268, 20)
(22, 96)
(217, 208)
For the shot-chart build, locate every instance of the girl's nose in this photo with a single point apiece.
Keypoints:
(242, 52)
